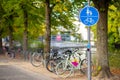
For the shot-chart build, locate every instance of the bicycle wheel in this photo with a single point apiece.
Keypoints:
(64, 69)
(36, 59)
(50, 65)
(84, 66)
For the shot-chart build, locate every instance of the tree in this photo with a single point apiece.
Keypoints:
(48, 29)
(7, 21)
(102, 39)
(19, 15)
(25, 32)
(1, 25)
(30, 20)
(8, 17)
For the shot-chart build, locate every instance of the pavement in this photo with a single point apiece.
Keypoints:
(18, 69)
(11, 72)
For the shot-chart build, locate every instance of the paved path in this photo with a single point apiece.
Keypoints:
(11, 72)
(18, 69)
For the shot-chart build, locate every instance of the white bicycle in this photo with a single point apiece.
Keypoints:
(73, 62)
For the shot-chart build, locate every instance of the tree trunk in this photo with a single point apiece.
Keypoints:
(25, 39)
(25, 32)
(10, 37)
(1, 29)
(10, 27)
(102, 39)
(102, 45)
(48, 30)
(25, 43)
(1, 48)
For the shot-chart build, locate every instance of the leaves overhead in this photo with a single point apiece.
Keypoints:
(63, 14)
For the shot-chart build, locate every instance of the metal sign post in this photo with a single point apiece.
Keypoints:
(89, 16)
(89, 55)
(89, 49)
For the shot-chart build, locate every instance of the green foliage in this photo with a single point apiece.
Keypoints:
(63, 14)
(94, 30)
(114, 26)
(35, 44)
(114, 58)
(12, 8)
(2, 21)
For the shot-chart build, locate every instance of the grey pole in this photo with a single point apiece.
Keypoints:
(89, 51)
(89, 55)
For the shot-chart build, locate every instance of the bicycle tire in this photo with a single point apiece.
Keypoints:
(84, 66)
(36, 59)
(63, 70)
(50, 65)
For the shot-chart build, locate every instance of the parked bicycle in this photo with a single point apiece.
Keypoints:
(55, 58)
(73, 62)
(37, 58)
(11, 52)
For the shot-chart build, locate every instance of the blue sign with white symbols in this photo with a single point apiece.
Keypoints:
(89, 16)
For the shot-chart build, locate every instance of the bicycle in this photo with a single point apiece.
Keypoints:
(89, 21)
(37, 58)
(55, 58)
(73, 62)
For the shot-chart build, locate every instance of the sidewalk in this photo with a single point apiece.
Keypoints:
(39, 70)
(11, 72)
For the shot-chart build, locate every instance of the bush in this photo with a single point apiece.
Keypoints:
(35, 45)
(114, 58)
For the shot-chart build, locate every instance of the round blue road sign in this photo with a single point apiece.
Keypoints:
(89, 16)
